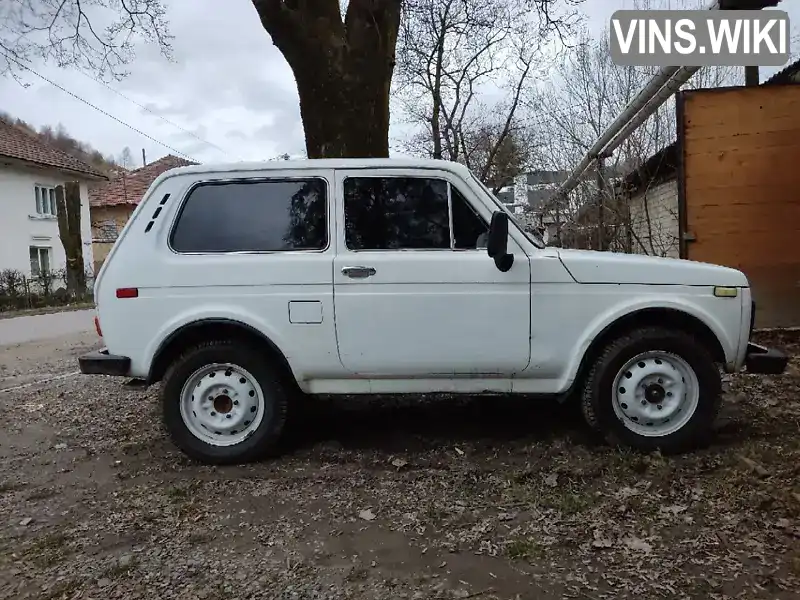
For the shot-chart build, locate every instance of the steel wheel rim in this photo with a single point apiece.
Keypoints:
(222, 404)
(655, 393)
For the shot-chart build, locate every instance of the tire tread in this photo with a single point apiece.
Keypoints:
(599, 417)
(269, 379)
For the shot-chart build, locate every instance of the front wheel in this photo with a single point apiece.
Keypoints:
(223, 403)
(653, 389)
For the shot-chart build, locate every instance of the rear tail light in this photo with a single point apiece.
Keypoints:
(97, 327)
(127, 292)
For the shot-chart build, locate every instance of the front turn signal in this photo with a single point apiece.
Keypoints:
(725, 292)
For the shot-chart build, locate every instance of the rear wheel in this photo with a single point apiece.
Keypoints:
(653, 388)
(223, 403)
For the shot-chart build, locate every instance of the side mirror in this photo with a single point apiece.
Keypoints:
(497, 247)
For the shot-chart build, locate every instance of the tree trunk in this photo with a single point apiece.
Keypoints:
(343, 70)
(345, 110)
(436, 127)
(68, 210)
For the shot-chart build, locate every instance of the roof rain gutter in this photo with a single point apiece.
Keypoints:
(663, 84)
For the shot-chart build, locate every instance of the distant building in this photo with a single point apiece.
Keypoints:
(652, 190)
(30, 171)
(112, 203)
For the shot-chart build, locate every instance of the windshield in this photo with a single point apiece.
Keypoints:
(534, 238)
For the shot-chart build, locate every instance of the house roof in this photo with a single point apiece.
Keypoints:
(663, 165)
(788, 74)
(658, 168)
(21, 145)
(130, 187)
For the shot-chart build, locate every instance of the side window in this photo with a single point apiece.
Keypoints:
(469, 229)
(393, 213)
(253, 216)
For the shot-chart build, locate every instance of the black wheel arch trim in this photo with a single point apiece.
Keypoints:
(599, 340)
(167, 341)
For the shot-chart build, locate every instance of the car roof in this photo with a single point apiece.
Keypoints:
(320, 163)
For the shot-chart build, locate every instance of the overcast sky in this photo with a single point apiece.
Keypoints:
(228, 85)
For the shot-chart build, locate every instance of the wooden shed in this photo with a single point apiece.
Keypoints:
(738, 189)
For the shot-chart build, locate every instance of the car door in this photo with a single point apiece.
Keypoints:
(415, 292)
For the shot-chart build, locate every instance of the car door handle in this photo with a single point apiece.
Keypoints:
(358, 272)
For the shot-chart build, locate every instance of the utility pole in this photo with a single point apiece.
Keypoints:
(751, 76)
(601, 199)
(559, 199)
(144, 159)
(600, 191)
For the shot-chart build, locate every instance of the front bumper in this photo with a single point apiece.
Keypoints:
(767, 361)
(101, 362)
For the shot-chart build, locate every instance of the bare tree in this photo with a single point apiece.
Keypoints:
(499, 153)
(342, 55)
(453, 56)
(584, 94)
(126, 158)
(93, 34)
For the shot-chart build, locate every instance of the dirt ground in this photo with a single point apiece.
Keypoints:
(455, 498)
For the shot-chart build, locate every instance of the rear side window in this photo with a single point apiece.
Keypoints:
(253, 216)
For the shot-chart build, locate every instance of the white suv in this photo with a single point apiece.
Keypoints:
(242, 287)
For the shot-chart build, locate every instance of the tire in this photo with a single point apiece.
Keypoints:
(237, 409)
(666, 400)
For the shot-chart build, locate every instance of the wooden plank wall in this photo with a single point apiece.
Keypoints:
(741, 152)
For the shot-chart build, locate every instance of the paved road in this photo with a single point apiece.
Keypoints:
(43, 327)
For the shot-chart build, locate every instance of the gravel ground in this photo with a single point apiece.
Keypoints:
(453, 498)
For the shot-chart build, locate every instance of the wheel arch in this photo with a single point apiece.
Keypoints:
(210, 328)
(649, 317)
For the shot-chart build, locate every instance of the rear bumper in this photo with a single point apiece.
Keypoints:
(103, 363)
(768, 361)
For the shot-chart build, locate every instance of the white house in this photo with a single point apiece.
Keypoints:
(30, 170)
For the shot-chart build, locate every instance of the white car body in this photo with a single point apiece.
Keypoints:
(426, 321)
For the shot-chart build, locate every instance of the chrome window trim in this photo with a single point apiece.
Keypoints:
(247, 180)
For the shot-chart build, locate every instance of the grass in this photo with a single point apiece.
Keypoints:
(566, 502)
(8, 487)
(63, 589)
(561, 498)
(199, 537)
(41, 494)
(177, 494)
(47, 550)
(524, 549)
(117, 570)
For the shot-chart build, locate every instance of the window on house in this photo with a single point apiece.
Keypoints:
(395, 213)
(254, 216)
(40, 260)
(45, 200)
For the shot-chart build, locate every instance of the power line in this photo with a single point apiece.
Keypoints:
(98, 109)
(118, 93)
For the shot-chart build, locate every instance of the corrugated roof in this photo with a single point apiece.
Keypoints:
(130, 187)
(785, 75)
(20, 145)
